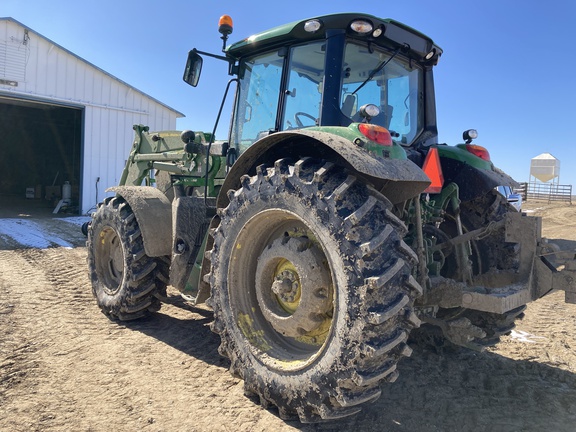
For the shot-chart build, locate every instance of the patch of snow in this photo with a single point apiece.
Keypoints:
(522, 336)
(78, 220)
(32, 234)
(537, 209)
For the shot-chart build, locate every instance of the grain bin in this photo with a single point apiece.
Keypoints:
(545, 168)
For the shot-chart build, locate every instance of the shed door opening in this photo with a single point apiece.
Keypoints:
(40, 148)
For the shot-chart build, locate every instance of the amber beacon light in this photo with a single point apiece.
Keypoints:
(225, 27)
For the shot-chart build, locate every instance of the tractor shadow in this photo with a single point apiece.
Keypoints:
(185, 328)
(565, 245)
(455, 390)
(468, 391)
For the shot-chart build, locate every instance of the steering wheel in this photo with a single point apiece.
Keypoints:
(303, 114)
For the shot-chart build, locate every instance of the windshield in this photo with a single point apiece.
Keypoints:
(395, 89)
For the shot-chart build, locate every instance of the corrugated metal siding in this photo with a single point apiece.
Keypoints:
(111, 107)
(12, 60)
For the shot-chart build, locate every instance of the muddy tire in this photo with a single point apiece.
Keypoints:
(493, 324)
(311, 289)
(491, 252)
(488, 254)
(124, 279)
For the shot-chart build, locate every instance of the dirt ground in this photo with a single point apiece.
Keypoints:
(64, 366)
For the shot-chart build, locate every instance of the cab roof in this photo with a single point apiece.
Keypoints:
(393, 33)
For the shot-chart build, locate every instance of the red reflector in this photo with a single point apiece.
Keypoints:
(433, 170)
(479, 151)
(376, 133)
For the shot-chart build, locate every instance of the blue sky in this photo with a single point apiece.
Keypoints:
(508, 68)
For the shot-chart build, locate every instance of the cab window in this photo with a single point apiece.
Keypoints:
(375, 76)
(257, 102)
(303, 93)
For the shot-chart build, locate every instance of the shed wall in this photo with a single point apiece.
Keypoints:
(35, 68)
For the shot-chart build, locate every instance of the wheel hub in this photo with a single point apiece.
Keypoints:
(293, 286)
(110, 266)
(286, 286)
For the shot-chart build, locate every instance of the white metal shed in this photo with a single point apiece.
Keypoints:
(64, 119)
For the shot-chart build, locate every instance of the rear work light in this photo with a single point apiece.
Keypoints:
(376, 133)
(479, 151)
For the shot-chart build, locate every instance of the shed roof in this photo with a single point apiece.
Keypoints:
(92, 65)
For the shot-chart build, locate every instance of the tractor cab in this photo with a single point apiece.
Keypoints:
(332, 71)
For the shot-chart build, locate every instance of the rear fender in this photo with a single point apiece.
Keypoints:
(474, 176)
(153, 212)
(397, 179)
(473, 182)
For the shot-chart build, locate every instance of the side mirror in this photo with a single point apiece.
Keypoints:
(193, 68)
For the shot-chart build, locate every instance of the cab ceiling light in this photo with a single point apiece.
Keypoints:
(312, 26)
(430, 54)
(361, 26)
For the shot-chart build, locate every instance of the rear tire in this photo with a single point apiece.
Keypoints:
(124, 279)
(490, 253)
(311, 289)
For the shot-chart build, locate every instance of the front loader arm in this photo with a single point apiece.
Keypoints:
(160, 150)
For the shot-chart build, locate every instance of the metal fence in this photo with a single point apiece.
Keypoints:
(545, 192)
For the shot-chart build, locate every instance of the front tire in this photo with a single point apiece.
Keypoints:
(125, 281)
(311, 289)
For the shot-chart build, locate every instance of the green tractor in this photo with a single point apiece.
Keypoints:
(330, 226)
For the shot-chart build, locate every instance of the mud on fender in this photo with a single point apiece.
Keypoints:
(397, 179)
